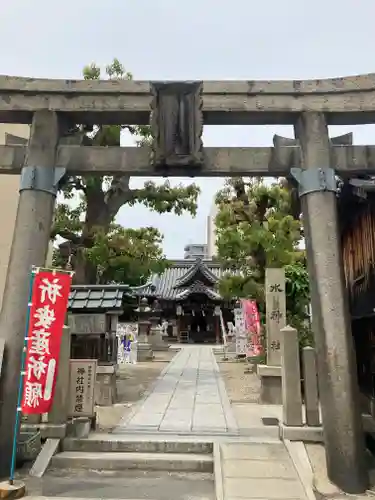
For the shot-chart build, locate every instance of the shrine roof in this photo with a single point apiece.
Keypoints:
(198, 271)
(170, 284)
(199, 288)
(104, 298)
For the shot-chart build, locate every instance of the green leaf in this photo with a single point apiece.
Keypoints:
(257, 227)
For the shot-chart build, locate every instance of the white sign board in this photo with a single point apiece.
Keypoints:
(81, 387)
(240, 333)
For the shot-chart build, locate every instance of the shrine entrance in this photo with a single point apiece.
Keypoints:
(202, 324)
(176, 112)
(198, 322)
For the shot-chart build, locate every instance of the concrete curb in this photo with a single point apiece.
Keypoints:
(218, 472)
(114, 461)
(44, 458)
(301, 462)
(145, 446)
(225, 401)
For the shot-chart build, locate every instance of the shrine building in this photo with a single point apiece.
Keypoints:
(189, 299)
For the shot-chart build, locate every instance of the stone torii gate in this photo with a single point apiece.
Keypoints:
(178, 111)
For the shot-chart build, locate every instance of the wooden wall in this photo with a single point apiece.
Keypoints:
(358, 248)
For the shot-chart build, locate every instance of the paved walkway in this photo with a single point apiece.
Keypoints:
(259, 471)
(188, 397)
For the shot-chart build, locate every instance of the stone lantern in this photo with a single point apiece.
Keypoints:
(216, 314)
(155, 315)
(156, 334)
(179, 313)
(144, 351)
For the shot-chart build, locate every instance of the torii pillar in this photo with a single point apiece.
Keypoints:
(38, 189)
(339, 395)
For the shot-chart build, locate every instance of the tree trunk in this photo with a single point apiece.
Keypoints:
(97, 218)
(85, 272)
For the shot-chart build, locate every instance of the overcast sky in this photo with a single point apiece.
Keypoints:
(195, 39)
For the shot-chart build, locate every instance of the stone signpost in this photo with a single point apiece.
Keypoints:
(275, 313)
(178, 111)
(81, 388)
(270, 374)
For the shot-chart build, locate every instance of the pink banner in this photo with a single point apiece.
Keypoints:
(252, 326)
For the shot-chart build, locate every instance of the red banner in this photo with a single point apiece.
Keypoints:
(49, 303)
(252, 326)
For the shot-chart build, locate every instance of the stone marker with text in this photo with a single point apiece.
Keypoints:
(275, 313)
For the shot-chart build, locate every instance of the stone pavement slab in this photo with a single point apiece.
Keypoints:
(189, 396)
(259, 471)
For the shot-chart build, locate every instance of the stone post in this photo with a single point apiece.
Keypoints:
(156, 334)
(31, 237)
(275, 313)
(179, 313)
(338, 388)
(113, 321)
(270, 374)
(58, 416)
(144, 351)
(2, 347)
(218, 333)
(310, 376)
(291, 377)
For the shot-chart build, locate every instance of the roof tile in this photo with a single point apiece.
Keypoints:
(164, 286)
(97, 297)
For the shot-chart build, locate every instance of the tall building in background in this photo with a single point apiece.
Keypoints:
(211, 232)
(16, 134)
(204, 250)
(195, 251)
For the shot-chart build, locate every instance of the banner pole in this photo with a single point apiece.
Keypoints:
(34, 271)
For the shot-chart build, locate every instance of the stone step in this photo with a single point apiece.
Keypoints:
(182, 462)
(120, 445)
(123, 485)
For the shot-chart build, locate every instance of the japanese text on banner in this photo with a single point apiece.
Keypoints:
(253, 328)
(47, 315)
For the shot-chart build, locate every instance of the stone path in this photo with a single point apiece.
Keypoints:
(259, 471)
(188, 397)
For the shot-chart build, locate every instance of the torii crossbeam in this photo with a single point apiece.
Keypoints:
(346, 160)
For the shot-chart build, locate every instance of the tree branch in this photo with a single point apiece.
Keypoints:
(241, 195)
(67, 235)
(119, 193)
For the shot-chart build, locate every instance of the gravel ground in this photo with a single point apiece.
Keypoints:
(241, 387)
